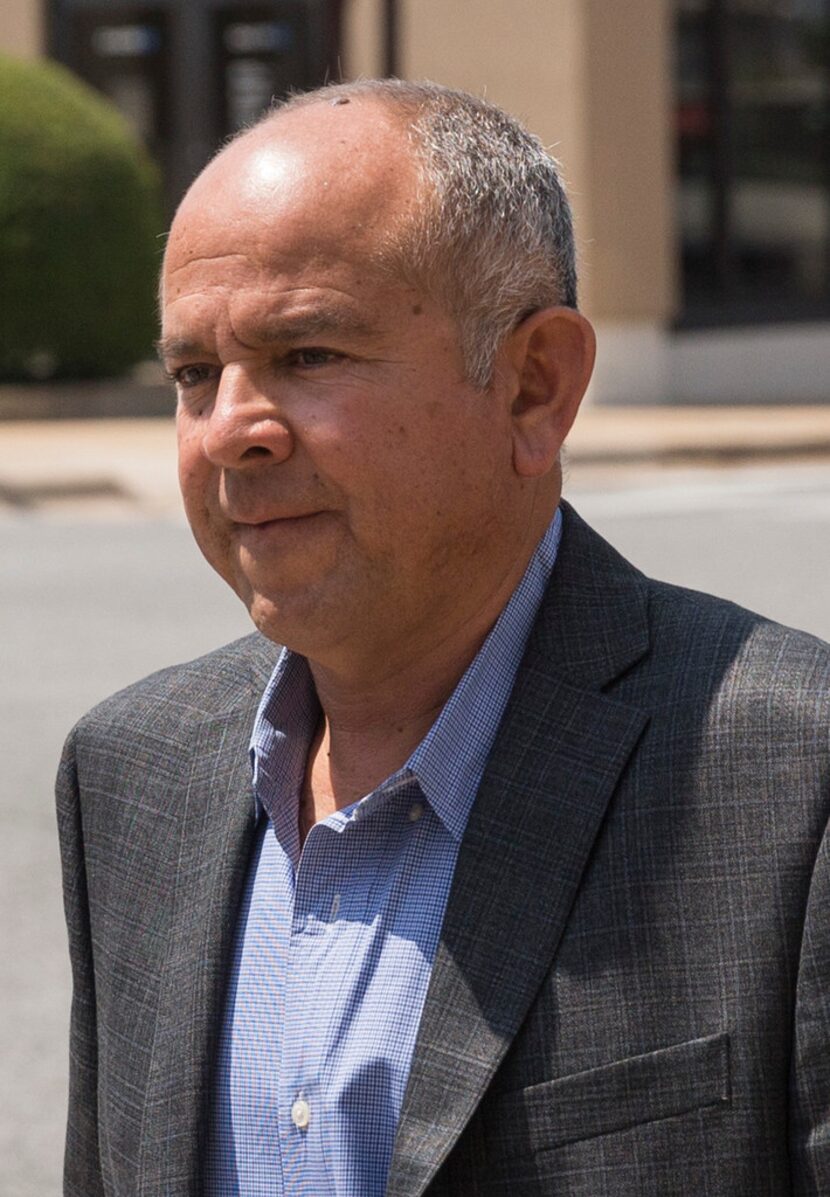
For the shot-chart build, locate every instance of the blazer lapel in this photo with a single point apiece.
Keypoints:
(218, 825)
(557, 757)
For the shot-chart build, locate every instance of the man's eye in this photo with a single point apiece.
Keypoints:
(313, 357)
(191, 376)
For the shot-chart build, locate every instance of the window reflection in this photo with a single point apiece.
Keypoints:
(754, 144)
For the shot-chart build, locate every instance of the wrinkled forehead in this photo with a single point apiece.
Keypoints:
(310, 179)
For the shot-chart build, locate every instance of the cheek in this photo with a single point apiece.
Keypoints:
(192, 483)
(199, 488)
(189, 457)
(193, 467)
(188, 481)
(426, 490)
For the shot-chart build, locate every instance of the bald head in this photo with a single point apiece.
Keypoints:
(337, 148)
(348, 164)
(471, 206)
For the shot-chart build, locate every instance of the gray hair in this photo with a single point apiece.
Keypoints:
(492, 238)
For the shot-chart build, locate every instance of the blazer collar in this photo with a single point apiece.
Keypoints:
(558, 754)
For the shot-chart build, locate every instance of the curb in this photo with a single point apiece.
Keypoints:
(698, 454)
(99, 399)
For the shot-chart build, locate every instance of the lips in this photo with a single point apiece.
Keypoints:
(266, 519)
(277, 525)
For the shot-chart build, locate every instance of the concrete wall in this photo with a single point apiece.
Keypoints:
(628, 86)
(362, 39)
(21, 28)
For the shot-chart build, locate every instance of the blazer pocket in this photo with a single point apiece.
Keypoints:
(659, 1084)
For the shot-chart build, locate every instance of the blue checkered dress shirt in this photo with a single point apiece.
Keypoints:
(335, 946)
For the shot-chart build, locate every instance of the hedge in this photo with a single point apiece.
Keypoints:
(80, 224)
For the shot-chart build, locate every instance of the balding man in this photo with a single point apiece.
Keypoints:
(504, 876)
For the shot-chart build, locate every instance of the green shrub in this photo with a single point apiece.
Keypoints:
(80, 217)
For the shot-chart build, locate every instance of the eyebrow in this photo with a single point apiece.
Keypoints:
(279, 330)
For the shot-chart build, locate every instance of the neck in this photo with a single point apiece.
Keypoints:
(378, 709)
(371, 728)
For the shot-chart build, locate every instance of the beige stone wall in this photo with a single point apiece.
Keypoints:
(628, 84)
(592, 78)
(526, 55)
(21, 28)
(362, 37)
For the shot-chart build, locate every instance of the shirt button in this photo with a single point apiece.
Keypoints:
(300, 1113)
(335, 906)
(415, 811)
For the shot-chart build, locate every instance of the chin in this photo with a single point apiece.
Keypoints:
(268, 618)
(292, 623)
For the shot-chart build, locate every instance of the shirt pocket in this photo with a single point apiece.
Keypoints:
(660, 1084)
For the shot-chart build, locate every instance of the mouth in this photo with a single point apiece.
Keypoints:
(277, 524)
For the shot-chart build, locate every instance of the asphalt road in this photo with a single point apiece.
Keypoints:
(759, 536)
(86, 608)
(95, 597)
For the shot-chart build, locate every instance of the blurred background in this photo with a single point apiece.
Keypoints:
(695, 136)
(695, 139)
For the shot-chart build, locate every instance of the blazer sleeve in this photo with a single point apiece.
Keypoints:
(810, 1078)
(82, 1167)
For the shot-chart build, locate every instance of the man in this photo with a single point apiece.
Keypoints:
(521, 889)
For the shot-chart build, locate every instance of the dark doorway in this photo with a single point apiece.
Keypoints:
(189, 73)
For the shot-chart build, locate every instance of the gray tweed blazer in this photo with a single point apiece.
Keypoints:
(632, 990)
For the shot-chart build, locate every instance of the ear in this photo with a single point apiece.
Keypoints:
(549, 356)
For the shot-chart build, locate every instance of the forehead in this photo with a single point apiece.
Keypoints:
(320, 184)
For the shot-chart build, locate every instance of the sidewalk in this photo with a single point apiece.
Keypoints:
(131, 461)
(630, 435)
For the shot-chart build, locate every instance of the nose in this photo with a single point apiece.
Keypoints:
(244, 426)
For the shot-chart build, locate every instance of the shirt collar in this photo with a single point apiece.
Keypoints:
(449, 762)
(285, 723)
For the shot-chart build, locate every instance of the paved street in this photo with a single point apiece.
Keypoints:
(101, 589)
(86, 607)
(758, 535)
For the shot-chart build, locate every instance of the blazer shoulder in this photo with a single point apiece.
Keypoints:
(212, 685)
(603, 587)
(720, 628)
(607, 622)
(721, 666)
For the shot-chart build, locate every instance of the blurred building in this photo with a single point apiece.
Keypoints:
(694, 134)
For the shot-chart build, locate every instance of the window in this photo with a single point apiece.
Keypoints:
(753, 126)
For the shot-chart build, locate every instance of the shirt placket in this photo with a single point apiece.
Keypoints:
(321, 877)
